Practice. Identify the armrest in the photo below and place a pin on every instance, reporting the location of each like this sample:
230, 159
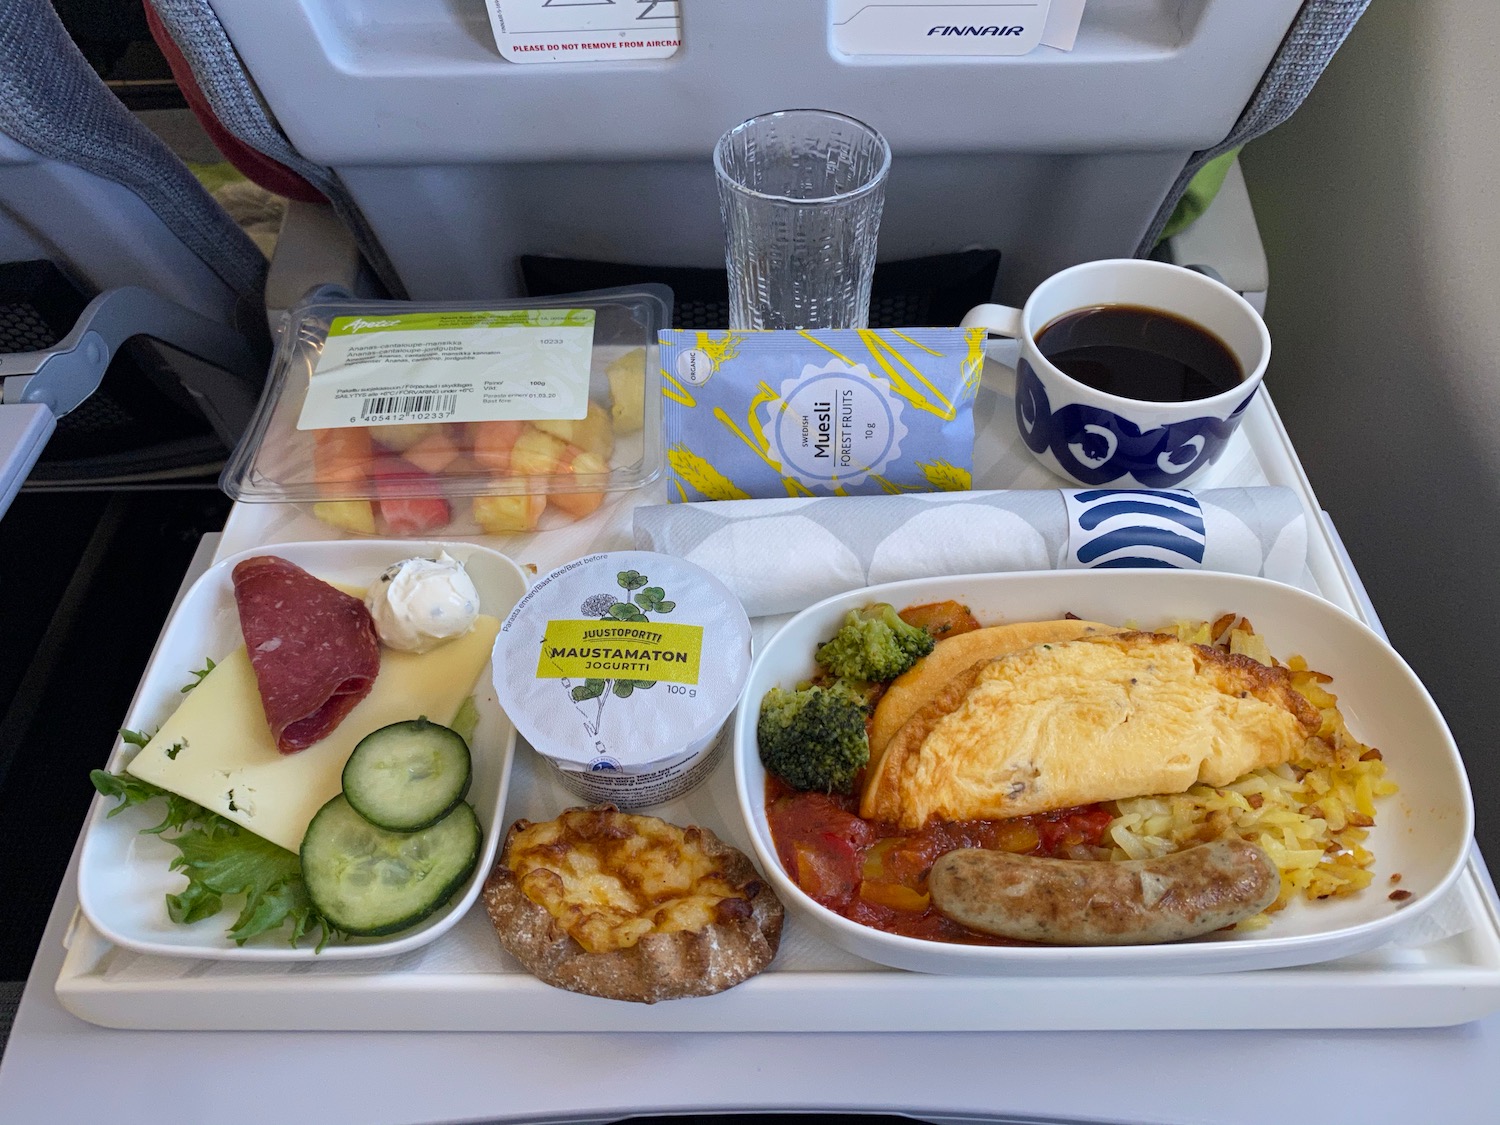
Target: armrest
24, 430
38, 387
314, 248
1227, 239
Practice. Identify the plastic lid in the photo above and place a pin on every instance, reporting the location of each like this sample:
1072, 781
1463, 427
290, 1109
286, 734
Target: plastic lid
622, 661
402, 417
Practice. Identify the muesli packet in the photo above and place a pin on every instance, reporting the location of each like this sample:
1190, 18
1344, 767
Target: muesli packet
837, 412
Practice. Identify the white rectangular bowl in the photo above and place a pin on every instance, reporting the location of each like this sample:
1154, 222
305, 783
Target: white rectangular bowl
124, 876
1422, 833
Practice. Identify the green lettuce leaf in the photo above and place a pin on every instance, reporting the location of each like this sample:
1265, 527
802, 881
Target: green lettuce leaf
132, 792
199, 676
222, 860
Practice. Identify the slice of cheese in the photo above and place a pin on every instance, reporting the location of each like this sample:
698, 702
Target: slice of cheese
217, 750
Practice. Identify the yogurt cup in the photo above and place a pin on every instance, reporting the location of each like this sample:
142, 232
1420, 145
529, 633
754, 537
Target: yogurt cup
620, 669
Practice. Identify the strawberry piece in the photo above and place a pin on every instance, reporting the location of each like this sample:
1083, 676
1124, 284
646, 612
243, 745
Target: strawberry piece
409, 500
415, 515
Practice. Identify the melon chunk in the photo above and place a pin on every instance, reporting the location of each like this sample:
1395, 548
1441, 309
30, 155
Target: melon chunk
493, 442
503, 515
580, 504
342, 455
435, 452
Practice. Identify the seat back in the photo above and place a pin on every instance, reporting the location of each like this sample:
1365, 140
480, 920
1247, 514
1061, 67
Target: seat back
463, 163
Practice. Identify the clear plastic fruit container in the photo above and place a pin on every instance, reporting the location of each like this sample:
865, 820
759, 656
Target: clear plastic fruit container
402, 418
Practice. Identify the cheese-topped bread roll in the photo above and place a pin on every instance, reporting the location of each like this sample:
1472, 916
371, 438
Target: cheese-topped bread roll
1095, 719
630, 907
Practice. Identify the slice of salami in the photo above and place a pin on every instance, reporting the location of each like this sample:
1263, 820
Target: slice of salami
313, 648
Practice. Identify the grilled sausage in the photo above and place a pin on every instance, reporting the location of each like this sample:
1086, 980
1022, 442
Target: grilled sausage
1082, 902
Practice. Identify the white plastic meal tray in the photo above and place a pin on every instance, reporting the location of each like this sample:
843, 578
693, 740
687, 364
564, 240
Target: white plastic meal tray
1445, 970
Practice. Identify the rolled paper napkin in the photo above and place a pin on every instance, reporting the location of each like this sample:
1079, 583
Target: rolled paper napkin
779, 556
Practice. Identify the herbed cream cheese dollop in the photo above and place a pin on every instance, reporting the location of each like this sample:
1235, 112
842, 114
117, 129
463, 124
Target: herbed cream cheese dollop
420, 603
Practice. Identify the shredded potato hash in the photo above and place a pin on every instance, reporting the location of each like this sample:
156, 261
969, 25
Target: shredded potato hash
1312, 816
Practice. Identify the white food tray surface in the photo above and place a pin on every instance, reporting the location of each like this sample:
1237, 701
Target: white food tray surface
1443, 970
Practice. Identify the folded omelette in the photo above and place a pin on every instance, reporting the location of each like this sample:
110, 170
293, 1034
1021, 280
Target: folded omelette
1094, 719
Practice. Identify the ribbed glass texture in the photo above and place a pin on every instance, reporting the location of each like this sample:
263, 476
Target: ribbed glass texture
800, 192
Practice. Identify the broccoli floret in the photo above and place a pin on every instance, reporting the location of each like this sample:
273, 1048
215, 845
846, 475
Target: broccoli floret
814, 739
874, 644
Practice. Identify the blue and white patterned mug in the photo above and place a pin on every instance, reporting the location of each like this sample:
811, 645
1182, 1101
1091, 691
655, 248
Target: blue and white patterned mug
1094, 438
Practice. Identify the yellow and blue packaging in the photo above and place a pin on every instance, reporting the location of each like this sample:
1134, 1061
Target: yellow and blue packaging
837, 412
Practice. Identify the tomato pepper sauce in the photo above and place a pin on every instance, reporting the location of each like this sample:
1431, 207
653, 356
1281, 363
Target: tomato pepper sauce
876, 874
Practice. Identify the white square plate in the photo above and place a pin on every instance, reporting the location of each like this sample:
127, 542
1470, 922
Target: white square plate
1422, 833
124, 876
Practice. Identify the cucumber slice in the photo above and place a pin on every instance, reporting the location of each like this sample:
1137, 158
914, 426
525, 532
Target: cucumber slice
368, 881
408, 775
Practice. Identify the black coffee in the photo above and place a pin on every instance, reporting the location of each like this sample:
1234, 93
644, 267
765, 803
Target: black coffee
1140, 353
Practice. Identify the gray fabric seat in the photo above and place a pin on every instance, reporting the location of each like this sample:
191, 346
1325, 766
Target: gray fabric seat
54, 105
91, 201
230, 92
1318, 31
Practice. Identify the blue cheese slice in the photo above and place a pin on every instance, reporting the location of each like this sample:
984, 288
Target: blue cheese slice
217, 750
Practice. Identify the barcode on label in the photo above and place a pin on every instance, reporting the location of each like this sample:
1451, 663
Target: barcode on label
405, 406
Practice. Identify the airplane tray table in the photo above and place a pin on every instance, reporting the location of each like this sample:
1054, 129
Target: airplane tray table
1445, 971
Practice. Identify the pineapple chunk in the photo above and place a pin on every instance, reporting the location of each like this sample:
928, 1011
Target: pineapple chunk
592, 432
435, 452
501, 515
627, 389
538, 454
357, 516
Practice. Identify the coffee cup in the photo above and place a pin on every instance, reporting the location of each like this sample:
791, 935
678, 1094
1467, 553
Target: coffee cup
1132, 373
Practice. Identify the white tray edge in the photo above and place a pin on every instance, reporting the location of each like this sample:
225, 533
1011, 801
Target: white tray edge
1412, 988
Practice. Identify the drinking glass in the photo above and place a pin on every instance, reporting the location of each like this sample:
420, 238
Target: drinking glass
800, 191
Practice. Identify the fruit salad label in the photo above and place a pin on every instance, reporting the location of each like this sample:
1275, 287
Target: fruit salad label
519, 364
